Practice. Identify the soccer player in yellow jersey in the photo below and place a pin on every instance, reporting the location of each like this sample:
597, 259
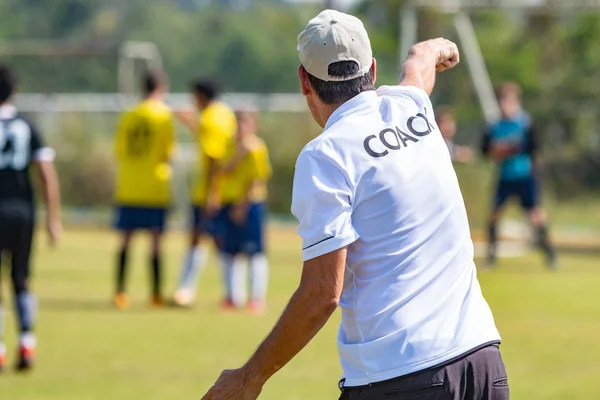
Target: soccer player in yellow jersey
242, 217
145, 143
214, 130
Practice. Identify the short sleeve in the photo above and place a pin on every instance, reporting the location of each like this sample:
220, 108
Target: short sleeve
322, 204
413, 93
39, 151
213, 138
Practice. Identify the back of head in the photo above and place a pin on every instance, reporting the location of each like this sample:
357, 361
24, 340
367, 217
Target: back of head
153, 81
206, 88
335, 51
8, 83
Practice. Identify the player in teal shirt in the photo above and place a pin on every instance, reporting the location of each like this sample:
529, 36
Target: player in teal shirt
511, 142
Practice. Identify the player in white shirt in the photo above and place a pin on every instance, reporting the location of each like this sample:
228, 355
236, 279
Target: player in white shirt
385, 235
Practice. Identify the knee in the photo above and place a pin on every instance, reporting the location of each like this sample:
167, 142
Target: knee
537, 216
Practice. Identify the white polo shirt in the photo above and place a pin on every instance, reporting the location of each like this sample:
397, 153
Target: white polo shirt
379, 180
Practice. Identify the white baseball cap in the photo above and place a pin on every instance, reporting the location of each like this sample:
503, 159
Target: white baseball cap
331, 37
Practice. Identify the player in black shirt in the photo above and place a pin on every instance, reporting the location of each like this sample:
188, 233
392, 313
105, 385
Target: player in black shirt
20, 148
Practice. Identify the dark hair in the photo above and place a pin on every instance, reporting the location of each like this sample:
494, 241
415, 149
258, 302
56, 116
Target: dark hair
338, 92
8, 83
207, 88
152, 80
508, 88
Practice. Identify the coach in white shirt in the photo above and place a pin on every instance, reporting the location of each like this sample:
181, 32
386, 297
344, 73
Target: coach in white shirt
385, 235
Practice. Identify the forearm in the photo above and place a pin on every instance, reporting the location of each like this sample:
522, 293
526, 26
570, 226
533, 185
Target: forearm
304, 316
51, 192
419, 70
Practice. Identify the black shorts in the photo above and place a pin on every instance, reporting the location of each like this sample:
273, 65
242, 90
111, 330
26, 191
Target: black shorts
16, 237
477, 375
526, 190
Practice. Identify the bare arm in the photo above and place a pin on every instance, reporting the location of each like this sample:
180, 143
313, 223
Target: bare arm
309, 309
425, 59
189, 119
51, 193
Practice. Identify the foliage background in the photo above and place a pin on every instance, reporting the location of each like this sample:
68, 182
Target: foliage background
250, 46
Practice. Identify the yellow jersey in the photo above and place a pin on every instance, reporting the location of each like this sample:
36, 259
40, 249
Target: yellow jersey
144, 145
216, 130
251, 173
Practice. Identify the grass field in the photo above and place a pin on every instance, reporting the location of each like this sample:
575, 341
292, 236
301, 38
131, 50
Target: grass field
549, 322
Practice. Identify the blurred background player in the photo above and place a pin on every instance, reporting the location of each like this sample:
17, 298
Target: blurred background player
214, 130
145, 143
242, 217
21, 147
511, 142
447, 126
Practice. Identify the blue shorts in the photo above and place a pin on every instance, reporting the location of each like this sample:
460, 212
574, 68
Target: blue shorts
526, 190
247, 238
202, 222
130, 218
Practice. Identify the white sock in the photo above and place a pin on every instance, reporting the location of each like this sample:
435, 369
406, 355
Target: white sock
192, 267
226, 269
27, 339
239, 293
259, 276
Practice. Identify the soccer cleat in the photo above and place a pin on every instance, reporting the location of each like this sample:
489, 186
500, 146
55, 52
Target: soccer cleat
2, 357
227, 305
156, 301
257, 307
26, 358
121, 301
184, 298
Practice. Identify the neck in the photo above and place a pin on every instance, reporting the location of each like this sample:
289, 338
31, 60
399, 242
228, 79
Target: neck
154, 96
324, 112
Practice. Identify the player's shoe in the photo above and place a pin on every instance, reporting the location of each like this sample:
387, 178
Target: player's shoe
121, 301
156, 301
227, 305
184, 297
26, 358
257, 307
2, 357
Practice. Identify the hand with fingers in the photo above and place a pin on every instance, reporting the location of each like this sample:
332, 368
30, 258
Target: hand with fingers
233, 384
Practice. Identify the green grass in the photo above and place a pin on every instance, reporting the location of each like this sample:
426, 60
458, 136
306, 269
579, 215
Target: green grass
549, 322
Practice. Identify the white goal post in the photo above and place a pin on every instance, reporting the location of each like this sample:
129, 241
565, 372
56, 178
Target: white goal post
470, 49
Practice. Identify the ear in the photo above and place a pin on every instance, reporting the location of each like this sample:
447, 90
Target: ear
304, 81
374, 70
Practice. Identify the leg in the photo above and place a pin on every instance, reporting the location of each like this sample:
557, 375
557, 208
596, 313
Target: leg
126, 236
193, 262
2, 345
503, 191
538, 219
530, 200
156, 267
234, 264
259, 267
25, 302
